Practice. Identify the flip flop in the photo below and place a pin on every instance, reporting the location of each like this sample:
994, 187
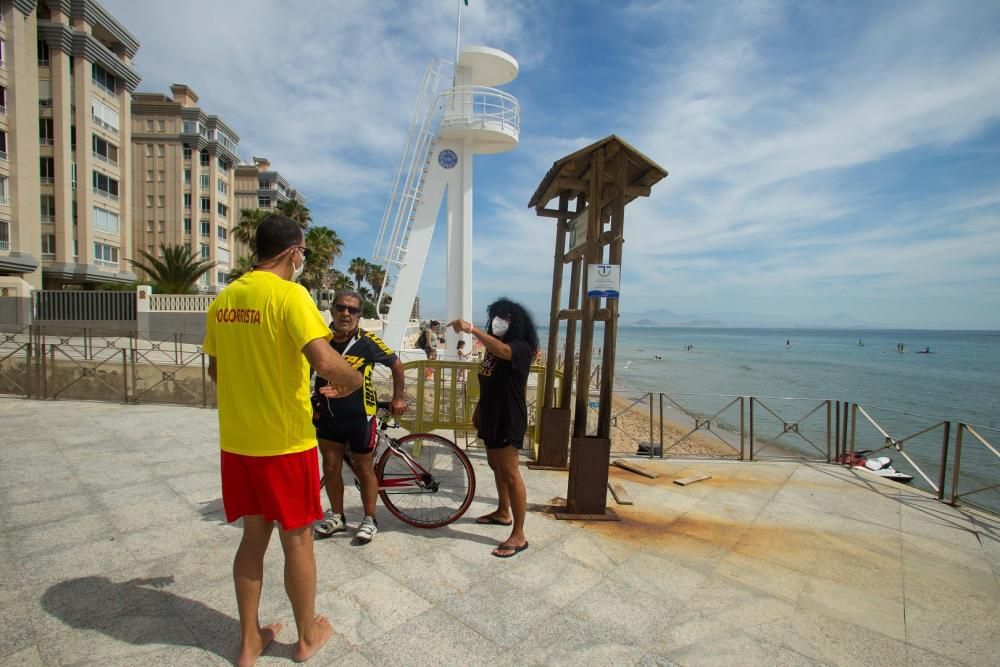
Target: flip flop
492, 521
509, 547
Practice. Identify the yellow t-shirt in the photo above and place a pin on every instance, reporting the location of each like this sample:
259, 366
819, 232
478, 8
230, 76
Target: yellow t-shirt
256, 330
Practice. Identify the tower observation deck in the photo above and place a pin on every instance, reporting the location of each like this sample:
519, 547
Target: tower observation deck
450, 124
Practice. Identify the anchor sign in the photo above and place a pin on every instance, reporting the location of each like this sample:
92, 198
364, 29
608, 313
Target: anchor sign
603, 280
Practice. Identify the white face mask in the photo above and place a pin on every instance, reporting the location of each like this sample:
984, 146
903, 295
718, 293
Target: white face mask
499, 326
297, 272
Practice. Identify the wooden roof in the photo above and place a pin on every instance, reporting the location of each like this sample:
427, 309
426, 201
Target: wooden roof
642, 173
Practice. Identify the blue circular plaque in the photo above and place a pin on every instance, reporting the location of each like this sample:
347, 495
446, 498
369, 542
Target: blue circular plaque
447, 158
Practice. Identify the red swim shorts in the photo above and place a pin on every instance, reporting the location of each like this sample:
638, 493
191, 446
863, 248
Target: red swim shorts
281, 488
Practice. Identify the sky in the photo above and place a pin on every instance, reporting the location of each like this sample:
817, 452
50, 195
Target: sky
828, 161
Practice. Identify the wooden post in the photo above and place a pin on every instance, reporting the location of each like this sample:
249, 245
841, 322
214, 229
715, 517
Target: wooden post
611, 325
557, 275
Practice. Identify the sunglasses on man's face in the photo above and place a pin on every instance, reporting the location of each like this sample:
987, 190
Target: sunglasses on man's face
304, 250
344, 308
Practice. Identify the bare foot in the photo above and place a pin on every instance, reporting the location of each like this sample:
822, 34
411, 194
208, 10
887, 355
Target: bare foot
308, 646
257, 645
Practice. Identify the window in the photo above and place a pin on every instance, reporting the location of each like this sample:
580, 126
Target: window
4, 201
149, 201
45, 131
162, 124
160, 225
72, 175
48, 208
222, 209
3, 54
103, 115
222, 256
105, 185
187, 176
75, 216
149, 175
105, 151
149, 124
204, 159
187, 151
72, 137
203, 179
44, 93
161, 150
104, 79
206, 228
47, 170
223, 165
4, 235
263, 202
149, 150
106, 221
222, 277
160, 202
160, 176
43, 53
204, 251
149, 226
222, 233
105, 255
187, 225
3, 100
206, 204
3, 144
187, 201
191, 127
48, 246
222, 187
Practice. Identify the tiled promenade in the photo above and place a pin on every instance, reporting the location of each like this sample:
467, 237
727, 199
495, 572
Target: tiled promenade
114, 552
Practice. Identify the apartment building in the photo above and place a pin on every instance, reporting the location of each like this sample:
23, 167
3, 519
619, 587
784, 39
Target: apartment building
65, 84
183, 175
258, 186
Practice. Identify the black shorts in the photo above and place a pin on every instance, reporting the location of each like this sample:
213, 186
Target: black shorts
506, 442
358, 433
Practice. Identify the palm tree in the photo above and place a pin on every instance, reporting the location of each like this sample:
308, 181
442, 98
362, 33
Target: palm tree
295, 210
358, 269
245, 230
342, 281
177, 272
375, 275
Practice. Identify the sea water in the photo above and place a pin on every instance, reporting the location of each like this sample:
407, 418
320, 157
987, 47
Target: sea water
903, 390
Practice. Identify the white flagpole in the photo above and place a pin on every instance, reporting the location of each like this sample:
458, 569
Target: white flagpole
458, 31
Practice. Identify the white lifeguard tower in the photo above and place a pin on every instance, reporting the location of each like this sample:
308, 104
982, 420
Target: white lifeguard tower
449, 126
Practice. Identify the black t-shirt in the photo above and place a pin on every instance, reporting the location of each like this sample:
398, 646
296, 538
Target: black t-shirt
503, 411
362, 352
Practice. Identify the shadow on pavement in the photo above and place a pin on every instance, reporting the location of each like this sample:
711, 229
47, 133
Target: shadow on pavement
139, 612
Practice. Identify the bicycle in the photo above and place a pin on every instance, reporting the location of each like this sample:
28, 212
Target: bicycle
424, 479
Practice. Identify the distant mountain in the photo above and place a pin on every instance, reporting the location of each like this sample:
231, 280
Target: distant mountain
646, 323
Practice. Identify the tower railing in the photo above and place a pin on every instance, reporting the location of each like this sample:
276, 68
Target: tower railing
481, 107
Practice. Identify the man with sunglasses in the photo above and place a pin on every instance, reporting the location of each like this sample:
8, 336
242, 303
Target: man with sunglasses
348, 421
263, 334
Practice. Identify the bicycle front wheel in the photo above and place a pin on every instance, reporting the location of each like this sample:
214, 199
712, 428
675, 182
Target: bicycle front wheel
428, 483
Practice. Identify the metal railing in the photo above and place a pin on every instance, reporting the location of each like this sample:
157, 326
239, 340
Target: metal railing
182, 303
95, 305
48, 362
481, 107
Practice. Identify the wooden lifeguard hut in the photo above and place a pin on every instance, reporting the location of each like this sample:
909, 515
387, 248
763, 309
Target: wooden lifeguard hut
599, 181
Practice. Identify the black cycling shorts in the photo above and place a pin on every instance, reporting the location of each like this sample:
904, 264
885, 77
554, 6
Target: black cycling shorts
358, 433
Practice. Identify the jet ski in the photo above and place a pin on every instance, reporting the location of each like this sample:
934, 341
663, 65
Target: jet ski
877, 465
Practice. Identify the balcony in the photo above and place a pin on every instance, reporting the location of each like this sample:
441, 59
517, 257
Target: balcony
43, 62
47, 218
106, 263
105, 160
101, 123
3, 155
3, 109
45, 103
45, 141
4, 244
490, 117
47, 180
102, 87
104, 193
4, 200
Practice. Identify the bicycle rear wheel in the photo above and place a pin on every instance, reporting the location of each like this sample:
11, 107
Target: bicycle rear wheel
446, 484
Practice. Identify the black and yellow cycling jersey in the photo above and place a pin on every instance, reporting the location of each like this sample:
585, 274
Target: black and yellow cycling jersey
362, 351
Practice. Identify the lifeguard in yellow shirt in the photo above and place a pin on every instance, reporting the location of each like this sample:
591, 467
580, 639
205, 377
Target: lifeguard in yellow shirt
263, 334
